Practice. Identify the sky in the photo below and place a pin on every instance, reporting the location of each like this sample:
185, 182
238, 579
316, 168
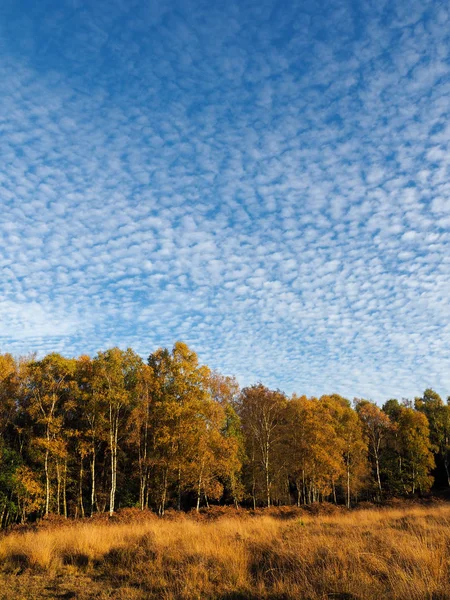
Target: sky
266, 181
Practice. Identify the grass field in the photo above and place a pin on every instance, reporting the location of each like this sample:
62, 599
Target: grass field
370, 554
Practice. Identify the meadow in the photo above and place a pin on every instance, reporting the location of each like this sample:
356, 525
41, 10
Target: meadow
324, 552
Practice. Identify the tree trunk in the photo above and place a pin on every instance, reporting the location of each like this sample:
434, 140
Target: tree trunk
143, 467
233, 490
266, 468
114, 433
93, 501
253, 492
447, 467
377, 464
64, 489
58, 488
253, 477
80, 488
47, 477
147, 496
142, 492
164, 494
179, 488
348, 484
199, 491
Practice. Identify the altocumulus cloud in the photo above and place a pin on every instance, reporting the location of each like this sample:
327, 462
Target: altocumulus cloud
266, 181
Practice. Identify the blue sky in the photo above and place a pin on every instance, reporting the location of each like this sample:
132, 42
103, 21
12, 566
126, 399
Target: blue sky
266, 181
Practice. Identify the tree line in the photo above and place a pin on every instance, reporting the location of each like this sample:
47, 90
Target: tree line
86, 435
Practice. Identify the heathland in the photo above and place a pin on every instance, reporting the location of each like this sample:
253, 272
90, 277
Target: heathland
127, 479
395, 552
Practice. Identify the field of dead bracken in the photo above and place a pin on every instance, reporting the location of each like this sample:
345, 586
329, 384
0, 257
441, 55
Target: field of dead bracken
321, 552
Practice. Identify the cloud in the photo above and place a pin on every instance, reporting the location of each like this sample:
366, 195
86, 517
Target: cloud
270, 186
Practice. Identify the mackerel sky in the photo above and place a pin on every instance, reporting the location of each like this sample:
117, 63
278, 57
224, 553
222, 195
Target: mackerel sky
267, 181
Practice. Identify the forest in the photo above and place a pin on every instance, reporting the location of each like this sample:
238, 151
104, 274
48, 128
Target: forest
86, 435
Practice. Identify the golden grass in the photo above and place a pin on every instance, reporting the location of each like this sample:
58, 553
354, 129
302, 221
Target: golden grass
373, 554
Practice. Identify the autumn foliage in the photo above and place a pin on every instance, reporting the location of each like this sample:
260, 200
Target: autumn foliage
86, 436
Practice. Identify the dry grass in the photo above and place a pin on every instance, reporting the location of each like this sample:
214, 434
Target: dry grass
399, 553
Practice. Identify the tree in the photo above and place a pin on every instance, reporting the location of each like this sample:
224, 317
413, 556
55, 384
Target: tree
262, 414
93, 434
225, 391
415, 449
164, 422
186, 433
9, 387
409, 459
354, 445
114, 381
29, 492
91, 423
141, 427
10, 463
208, 456
376, 425
314, 451
438, 415
50, 384
9, 460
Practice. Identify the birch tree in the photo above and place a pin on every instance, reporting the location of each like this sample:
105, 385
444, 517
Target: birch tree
114, 381
314, 449
438, 415
262, 414
353, 443
377, 426
50, 383
142, 428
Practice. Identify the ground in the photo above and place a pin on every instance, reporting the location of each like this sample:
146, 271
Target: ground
393, 552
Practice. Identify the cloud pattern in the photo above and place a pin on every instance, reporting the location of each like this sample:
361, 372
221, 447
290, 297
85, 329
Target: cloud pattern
267, 181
